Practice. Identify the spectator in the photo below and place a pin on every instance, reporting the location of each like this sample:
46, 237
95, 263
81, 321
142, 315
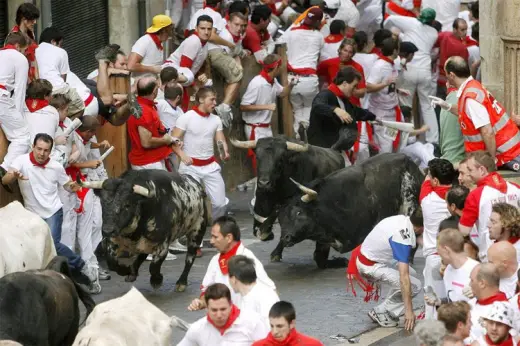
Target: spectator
116, 65
498, 323
333, 41
225, 324
450, 138
41, 117
456, 317
282, 318
168, 75
27, 15
169, 110
503, 255
257, 40
504, 225
464, 176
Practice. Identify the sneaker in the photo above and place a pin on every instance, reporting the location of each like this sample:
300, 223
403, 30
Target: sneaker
135, 108
383, 319
2, 173
169, 257
90, 271
103, 274
177, 246
108, 53
94, 287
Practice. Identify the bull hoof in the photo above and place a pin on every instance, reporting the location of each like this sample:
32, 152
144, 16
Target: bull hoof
276, 258
156, 281
266, 237
130, 278
180, 287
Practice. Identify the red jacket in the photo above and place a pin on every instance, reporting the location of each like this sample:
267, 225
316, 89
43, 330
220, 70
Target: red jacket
293, 339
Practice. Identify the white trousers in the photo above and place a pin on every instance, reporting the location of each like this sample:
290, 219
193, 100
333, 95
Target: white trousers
433, 279
211, 178
382, 136
420, 153
301, 98
420, 80
381, 273
154, 165
16, 130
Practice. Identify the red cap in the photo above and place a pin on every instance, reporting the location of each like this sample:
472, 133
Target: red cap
314, 16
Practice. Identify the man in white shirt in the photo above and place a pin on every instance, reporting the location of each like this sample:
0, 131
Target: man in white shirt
41, 117
304, 44
333, 40
253, 295
498, 322
392, 239
225, 237
115, 66
456, 318
39, 178
169, 110
503, 225
13, 82
225, 324
199, 129
447, 11
503, 255
433, 203
418, 73
147, 54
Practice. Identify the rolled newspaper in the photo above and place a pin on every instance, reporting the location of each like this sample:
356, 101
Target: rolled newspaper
73, 127
220, 146
104, 156
397, 125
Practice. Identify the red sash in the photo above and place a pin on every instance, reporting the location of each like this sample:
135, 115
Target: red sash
82, 193
372, 291
399, 118
370, 134
88, 100
202, 162
252, 137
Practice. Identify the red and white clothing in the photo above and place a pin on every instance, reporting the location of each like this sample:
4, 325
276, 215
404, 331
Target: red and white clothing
228, 36
217, 271
259, 43
190, 54
140, 157
168, 114
243, 328
150, 49
199, 133
90, 101
433, 204
509, 285
53, 62
303, 50
218, 21
13, 83
41, 117
30, 52
477, 209
446, 11
515, 304
259, 299
449, 45
480, 309
293, 339
331, 46
455, 279
401, 8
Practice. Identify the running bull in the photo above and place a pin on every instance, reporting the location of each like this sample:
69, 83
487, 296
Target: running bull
279, 159
340, 210
143, 213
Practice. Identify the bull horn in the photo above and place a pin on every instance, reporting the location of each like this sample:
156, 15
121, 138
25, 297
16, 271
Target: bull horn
98, 184
309, 194
145, 192
297, 147
243, 144
259, 218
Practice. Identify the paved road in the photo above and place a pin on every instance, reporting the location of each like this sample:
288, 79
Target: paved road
323, 306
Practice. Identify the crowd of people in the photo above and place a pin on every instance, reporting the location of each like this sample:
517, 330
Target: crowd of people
353, 73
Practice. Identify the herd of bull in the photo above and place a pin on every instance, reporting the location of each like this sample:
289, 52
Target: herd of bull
307, 188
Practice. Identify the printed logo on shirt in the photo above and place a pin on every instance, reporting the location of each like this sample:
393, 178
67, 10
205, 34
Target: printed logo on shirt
405, 233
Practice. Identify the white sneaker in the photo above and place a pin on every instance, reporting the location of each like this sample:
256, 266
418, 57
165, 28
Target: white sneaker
177, 246
90, 271
169, 257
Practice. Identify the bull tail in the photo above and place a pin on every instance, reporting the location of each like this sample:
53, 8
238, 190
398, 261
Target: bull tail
179, 323
411, 181
60, 264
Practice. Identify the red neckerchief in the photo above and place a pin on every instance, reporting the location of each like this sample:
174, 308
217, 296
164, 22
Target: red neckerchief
147, 102
224, 258
518, 301
36, 163
83, 139
62, 125
291, 339
36, 104
302, 27
450, 89
266, 76
29, 33
334, 38
227, 18
199, 112
495, 181
210, 7
499, 297
335, 90
235, 312
235, 38
203, 43
508, 342
513, 240
155, 39
469, 42
387, 59
376, 51
8, 46
427, 188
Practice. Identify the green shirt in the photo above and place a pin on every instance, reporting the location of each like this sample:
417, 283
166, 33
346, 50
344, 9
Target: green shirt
451, 140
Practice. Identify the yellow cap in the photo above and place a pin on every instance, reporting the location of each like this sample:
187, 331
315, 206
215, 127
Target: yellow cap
159, 22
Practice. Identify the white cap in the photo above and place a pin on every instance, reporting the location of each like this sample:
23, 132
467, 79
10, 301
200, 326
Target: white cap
332, 4
501, 312
186, 72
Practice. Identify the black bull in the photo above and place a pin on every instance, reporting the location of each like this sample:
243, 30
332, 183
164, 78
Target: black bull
143, 213
340, 210
279, 159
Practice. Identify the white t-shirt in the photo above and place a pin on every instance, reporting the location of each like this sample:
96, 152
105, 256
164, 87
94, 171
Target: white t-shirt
226, 35
392, 239
76, 83
199, 133
246, 329
303, 47
260, 92
508, 285
260, 299
385, 98
456, 279
347, 12
52, 62
515, 304
191, 48
43, 120
40, 190
477, 312
148, 50
218, 22
446, 11
434, 210
168, 114
329, 51
13, 76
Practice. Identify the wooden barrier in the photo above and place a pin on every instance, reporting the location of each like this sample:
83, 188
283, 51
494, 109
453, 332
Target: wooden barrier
6, 197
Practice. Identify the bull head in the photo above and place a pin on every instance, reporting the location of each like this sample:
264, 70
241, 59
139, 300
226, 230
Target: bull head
252, 145
309, 194
148, 192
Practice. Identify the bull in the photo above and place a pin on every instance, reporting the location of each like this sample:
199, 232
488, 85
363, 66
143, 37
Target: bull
279, 159
143, 213
340, 210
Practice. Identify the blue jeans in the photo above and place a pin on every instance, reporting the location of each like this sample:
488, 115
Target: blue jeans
55, 222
